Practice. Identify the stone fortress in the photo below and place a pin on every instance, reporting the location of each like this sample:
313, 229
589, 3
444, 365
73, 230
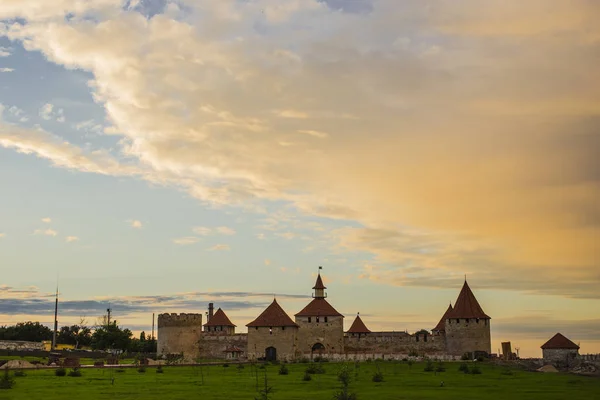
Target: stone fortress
318, 330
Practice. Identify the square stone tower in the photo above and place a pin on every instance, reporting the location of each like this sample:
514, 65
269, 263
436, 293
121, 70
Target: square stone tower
467, 326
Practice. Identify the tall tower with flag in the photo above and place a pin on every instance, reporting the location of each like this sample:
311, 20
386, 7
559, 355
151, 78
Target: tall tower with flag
321, 327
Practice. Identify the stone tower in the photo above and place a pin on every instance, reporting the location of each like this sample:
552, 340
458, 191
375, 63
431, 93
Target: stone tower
272, 335
467, 326
179, 333
358, 328
321, 326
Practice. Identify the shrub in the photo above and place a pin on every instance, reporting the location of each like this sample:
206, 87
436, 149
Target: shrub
262, 366
507, 372
304, 360
307, 377
75, 372
120, 370
240, 367
283, 370
475, 370
429, 366
160, 370
440, 367
225, 365
315, 369
344, 378
60, 372
378, 376
464, 368
19, 373
465, 357
6, 381
410, 364
142, 369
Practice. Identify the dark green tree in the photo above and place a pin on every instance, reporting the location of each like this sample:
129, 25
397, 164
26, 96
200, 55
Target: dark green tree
111, 337
27, 331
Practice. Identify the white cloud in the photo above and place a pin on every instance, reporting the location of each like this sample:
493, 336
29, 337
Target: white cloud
6, 69
260, 236
202, 230
47, 220
267, 262
2, 235
224, 230
46, 111
134, 223
220, 247
186, 240
5, 51
292, 114
70, 239
46, 232
317, 134
287, 235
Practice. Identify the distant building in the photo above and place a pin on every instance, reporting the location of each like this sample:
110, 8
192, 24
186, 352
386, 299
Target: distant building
559, 350
318, 330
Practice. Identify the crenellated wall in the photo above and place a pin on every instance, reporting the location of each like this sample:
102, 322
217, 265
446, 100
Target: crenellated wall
213, 344
468, 335
395, 343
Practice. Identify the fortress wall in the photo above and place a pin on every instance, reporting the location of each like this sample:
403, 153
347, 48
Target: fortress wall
330, 334
400, 343
284, 340
467, 336
213, 346
179, 333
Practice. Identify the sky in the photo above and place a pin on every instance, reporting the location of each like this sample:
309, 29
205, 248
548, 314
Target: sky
157, 155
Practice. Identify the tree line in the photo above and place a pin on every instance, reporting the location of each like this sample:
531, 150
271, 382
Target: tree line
107, 336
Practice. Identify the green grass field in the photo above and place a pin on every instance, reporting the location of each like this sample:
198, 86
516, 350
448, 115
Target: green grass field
401, 381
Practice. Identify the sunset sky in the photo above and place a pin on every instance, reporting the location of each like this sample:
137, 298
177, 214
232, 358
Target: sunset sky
156, 155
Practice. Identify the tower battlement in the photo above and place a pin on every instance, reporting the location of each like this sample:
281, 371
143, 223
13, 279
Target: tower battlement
179, 320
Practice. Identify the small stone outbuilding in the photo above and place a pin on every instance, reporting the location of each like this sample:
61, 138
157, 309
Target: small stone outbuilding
560, 350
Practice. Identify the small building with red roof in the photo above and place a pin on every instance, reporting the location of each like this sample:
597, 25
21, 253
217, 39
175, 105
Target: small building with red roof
321, 325
467, 326
559, 350
220, 323
358, 328
272, 335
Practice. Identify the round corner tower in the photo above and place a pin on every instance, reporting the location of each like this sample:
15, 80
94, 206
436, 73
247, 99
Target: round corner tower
467, 326
179, 333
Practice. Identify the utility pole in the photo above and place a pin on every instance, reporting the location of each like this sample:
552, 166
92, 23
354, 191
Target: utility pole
108, 311
53, 347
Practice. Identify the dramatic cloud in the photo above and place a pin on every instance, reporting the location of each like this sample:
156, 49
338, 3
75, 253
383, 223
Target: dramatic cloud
455, 137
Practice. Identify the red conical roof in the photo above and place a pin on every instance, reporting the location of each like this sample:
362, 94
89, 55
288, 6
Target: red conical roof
358, 326
319, 307
441, 326
319, 284
466, 305
559, 341
273, 315
219, 319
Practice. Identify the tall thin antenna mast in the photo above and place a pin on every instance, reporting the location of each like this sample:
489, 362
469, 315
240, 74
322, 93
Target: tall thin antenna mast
53, 347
